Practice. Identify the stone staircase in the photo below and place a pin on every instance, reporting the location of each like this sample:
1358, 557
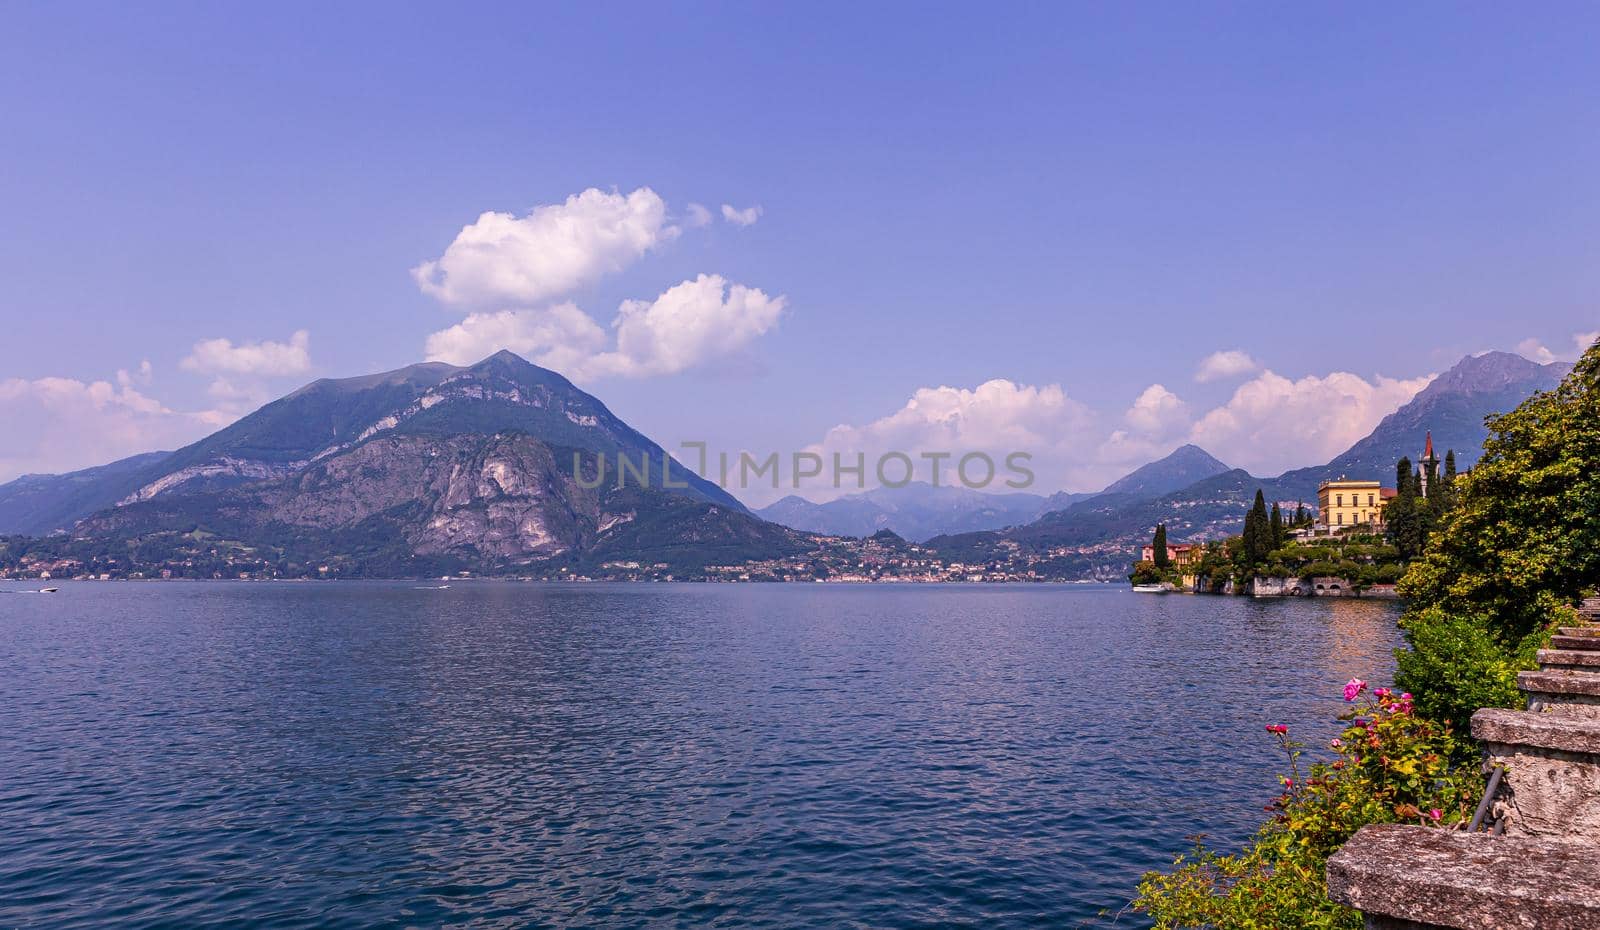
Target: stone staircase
1538, 865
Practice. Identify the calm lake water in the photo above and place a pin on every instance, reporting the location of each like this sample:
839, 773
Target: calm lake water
511, 755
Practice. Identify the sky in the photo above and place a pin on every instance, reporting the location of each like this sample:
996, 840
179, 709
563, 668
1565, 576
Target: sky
1091, 231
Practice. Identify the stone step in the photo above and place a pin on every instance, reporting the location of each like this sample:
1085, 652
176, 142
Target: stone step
1530, 729
1551, 785
1579, 631
1590, 608
1571, 660
1585, 643
1563, 692
1471, 881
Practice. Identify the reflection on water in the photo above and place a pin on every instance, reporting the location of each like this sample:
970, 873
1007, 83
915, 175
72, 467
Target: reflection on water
626, 756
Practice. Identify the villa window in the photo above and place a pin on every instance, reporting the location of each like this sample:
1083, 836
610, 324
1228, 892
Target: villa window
1338, 500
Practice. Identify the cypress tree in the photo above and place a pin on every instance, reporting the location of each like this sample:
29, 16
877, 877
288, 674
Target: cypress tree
1257, 532
1278, 532
1405, 518
1159, 545
1445, 500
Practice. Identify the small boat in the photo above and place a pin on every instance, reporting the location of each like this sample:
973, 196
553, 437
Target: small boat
1149, 589
48, 590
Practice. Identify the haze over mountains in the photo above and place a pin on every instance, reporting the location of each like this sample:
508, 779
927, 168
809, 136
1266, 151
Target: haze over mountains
434, 464
919, 511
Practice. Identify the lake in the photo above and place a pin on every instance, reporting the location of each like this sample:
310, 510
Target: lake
522, 755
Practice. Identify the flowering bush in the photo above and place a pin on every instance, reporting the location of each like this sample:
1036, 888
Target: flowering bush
1388, 766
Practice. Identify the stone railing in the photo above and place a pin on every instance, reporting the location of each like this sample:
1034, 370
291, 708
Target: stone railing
1539, 867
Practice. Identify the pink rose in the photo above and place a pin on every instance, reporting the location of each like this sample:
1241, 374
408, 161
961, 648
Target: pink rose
1336, 743
1353, 689
1436, 814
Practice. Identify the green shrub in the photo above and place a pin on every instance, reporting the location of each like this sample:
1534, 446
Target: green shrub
1458, 665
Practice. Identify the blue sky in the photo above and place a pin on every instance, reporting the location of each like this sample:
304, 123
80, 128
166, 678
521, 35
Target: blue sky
1076, 201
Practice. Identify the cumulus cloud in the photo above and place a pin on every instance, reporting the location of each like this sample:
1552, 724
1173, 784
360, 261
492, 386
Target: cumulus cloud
997, 418
257, 359
688, 324
1230, 363
696, 215
554, 249
61, 424
1534, 350
1157, 411
1153, 426
1272, 423
561, 337
745, 217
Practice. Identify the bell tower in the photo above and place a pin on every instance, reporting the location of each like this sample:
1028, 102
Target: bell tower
1428, 465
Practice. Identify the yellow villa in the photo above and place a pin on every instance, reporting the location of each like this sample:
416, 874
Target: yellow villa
1345, 503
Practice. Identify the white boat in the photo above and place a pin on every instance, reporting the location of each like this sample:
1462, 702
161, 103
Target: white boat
1149, 589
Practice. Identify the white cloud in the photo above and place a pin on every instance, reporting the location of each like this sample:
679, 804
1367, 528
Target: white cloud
998, 417
1157, 412
745, 217
562, 337
1272, 424
690, 323
62, 424
1230, 363
1533, 350
696, 215
553, 250
257, 359
1153, 426
687, 325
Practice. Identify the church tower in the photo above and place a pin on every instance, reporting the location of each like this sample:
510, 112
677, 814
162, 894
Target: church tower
1428, 465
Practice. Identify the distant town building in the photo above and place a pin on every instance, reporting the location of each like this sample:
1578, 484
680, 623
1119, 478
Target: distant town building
1181, 554
1345, 502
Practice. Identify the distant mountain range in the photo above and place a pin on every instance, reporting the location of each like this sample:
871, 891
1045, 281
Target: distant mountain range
1101, 532
497, 467
919, 511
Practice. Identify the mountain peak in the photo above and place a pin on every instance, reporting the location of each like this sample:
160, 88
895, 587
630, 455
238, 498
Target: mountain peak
1180, 468
1489, 373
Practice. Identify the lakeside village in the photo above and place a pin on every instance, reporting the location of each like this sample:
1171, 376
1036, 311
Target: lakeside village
1357, 543
884, 557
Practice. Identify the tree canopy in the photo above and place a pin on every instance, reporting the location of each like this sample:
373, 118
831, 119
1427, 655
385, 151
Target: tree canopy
1521, 544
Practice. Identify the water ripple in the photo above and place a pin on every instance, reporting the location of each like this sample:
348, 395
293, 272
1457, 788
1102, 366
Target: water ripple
502, 755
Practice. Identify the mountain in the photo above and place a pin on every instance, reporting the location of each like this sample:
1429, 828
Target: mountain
496, 466
1099, 535
1453, 406
920, 511
915, 511
34, 505
1183, 467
